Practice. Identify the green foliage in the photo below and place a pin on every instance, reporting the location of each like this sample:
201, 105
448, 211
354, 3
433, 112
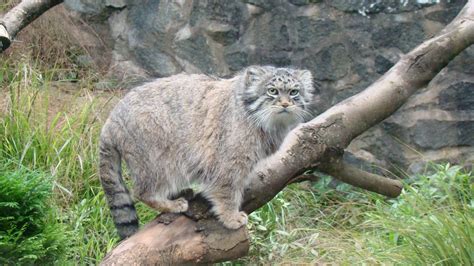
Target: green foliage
53, 132
93, 226
433, 218
431, 222
30, 229
37, 135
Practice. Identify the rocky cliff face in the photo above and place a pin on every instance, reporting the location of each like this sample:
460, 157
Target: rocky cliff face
347, 44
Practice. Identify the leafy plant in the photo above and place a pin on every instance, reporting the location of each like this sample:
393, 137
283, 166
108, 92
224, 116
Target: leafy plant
30, 228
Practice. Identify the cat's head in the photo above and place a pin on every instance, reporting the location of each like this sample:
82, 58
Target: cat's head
277, 98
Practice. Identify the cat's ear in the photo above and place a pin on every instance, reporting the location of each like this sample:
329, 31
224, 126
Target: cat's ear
254, 74
306, 78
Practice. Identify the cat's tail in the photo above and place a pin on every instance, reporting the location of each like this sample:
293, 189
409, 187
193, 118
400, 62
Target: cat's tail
119, 199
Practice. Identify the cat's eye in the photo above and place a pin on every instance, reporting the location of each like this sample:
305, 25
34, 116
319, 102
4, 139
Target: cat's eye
272, 91
294, 92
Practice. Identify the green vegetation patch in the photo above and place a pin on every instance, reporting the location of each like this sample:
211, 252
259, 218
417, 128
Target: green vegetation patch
431, 222
30, 231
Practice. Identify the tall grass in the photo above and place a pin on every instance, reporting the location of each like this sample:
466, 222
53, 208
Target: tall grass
56, 138
433, 219
39, 132
432, 222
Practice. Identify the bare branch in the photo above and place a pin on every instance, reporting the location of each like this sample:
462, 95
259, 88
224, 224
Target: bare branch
20, 16
304, 177
362, 179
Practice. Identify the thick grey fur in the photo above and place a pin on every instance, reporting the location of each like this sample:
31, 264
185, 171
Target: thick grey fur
197, 129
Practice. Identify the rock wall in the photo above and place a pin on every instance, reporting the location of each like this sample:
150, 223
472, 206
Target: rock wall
347, 44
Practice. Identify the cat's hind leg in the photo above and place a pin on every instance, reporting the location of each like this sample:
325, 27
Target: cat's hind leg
149, 188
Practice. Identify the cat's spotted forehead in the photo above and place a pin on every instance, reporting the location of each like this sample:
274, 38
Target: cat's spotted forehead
283, 78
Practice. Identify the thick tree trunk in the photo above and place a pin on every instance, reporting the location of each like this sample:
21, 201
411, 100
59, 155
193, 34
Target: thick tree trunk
196, 237
20, 16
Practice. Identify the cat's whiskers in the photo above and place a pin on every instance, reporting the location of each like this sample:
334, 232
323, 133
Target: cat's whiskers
303, 114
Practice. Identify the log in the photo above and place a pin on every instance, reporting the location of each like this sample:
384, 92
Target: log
20, 16
317, 144
195, 237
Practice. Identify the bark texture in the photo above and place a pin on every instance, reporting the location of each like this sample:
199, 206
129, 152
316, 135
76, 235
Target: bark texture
319, 144
20, 16
170, 239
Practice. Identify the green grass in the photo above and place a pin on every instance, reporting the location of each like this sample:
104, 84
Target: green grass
432, 222
60, 139
50, 137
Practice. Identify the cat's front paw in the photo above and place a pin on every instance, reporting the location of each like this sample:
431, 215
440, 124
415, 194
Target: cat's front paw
234, 220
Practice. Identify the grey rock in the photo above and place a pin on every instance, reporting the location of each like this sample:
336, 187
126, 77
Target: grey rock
156, 62
405, 36
432, 134
116, 3
347, 44
270, 31
311, 32
279, 59
464, 62
427, 134
197, 51
89, 7
444, 16
377, 6
459, 96
236, 60
223, 34
303, 2
382, 64
265, 4
331, 63
225, 12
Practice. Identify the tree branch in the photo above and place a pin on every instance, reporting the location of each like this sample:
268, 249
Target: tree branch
318, 143
362, 179
20, 16
313, 144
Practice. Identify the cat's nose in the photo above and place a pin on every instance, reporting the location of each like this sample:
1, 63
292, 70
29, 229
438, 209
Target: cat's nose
284, 103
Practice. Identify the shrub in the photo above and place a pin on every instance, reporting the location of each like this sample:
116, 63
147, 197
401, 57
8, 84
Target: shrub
30, 231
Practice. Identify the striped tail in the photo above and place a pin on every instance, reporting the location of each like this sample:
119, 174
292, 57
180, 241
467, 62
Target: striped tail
118, 197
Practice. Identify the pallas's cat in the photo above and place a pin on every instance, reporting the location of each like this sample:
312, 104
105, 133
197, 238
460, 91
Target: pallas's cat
197, 129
